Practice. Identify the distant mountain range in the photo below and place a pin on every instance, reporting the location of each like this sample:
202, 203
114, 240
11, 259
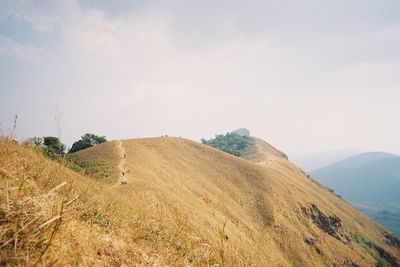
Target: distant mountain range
315, 161
370, 181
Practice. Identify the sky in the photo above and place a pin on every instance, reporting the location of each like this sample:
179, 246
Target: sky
306, 76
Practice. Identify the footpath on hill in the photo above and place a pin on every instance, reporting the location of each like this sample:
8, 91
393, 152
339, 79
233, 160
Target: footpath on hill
121, 165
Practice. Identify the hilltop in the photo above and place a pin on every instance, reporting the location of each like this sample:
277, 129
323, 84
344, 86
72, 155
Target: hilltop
265, 151
240, 143
185, 203
370, 181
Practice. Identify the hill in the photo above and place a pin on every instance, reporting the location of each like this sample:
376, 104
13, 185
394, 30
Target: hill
241, 144
265, 151
370, 181
182, 203
99, 161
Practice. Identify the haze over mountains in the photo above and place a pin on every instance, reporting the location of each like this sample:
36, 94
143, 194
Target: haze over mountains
309, 162
371, 181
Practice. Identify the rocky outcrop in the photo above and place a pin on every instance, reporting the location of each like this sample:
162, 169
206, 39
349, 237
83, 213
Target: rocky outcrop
330, 224
391, 239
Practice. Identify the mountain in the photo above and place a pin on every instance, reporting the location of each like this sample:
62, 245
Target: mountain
172, 201
310, 162
370, 181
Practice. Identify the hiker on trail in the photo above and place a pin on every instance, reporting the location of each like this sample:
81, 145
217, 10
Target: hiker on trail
123, 173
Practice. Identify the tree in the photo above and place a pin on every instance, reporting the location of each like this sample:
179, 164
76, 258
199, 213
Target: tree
231, 143
53, 146
86, 141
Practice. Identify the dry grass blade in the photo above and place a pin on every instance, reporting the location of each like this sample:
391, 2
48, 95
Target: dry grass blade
17, 232
53, 233
49, 221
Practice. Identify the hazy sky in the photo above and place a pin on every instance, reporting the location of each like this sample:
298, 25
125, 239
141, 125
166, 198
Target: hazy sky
306, 76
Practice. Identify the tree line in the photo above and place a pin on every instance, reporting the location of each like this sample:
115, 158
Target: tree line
54, 148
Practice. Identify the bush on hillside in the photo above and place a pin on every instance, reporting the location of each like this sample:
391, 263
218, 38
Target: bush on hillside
231, 143
53, 146
86, 141
54, 149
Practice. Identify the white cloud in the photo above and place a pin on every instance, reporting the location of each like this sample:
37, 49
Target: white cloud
156, 70
9, 47
40, 15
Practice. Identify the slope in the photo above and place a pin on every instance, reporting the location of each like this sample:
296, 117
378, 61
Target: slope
50, 215
188, 204
100, 161
265, 151
370, 181
268, 213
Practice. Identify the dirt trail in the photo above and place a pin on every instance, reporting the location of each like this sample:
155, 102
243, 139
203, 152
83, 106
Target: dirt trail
121, 165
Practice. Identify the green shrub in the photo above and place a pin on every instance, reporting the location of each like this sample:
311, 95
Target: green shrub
86, 141
231, 143
53, 147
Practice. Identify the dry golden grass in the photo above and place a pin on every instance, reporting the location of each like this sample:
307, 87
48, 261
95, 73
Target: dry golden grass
265, 151
52, 216
259, 204
102, 161
185, 204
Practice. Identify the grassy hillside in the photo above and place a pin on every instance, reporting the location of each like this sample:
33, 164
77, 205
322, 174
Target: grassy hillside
371, 181
184, 204
99, 161
50, 215
264, 151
